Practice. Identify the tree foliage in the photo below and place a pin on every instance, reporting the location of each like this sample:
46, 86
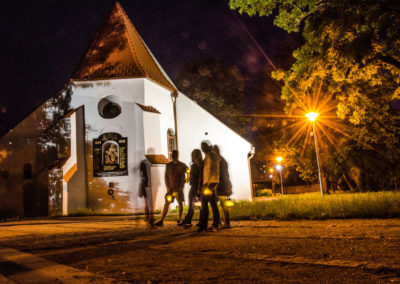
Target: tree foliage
351, 54
217, 87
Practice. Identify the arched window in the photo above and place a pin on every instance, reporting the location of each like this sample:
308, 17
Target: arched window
27, 171
171, 142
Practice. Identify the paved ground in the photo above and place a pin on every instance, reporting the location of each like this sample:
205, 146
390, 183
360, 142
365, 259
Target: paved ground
122, 249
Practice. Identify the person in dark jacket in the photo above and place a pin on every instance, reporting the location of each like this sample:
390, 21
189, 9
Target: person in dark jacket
210, 183
175, 177
196, 180
224, 188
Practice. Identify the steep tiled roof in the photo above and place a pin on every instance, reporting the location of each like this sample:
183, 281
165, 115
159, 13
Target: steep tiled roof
118, 51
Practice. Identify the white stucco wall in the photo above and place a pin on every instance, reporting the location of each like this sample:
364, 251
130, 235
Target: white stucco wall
146, 133
195, 125
128, 124
160, 99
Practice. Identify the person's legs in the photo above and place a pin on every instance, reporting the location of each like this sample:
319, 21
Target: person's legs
180, 204
204, 213
180, 198
189, 215
226, 209
164, 213
214, 206
213, 202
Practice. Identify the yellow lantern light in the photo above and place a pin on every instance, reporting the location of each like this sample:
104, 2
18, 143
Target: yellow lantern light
187, 175
169, 198
229, 203
207, 191
279, 159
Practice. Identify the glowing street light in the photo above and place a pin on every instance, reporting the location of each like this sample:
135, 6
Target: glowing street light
279, 159
312, 116
279, 169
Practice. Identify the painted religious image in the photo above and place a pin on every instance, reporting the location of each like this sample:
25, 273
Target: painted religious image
110, 155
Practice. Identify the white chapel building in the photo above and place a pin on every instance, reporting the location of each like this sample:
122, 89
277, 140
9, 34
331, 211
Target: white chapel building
82, 148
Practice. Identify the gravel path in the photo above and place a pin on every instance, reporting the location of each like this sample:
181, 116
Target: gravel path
122, 248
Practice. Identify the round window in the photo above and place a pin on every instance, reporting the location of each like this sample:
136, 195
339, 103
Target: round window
108, 108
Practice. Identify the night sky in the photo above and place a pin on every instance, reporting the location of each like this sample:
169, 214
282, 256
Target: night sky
42, 43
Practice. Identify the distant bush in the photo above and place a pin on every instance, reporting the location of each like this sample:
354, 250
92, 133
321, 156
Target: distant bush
314, 207
265, 192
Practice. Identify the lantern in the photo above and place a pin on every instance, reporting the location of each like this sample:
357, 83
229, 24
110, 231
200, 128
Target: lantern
207, 191
229, 202
169, 198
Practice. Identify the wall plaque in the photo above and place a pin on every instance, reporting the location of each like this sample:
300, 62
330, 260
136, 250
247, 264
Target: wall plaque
110, 155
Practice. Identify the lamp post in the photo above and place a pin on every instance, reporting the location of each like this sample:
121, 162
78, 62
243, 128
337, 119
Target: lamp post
312, 116
271, 176
279, 169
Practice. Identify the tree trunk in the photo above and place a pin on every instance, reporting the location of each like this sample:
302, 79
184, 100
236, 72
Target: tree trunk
348, 182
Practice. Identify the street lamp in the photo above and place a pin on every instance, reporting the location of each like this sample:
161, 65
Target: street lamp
271, 176
312, 116
279, 169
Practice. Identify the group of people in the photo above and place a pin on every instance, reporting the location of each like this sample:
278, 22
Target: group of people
209, 184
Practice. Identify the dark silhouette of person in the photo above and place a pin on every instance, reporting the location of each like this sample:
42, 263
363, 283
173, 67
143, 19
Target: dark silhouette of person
175, 176
196, 181
224, 188
145, 191
210, 183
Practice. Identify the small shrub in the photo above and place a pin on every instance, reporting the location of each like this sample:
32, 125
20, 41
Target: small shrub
265, 192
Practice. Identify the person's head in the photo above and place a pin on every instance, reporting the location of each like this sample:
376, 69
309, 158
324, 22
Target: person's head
175, 155
196, 156
206, 146
216, 150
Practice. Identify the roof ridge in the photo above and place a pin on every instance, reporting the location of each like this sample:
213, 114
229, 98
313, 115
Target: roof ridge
118, 51
150, 54
124, 16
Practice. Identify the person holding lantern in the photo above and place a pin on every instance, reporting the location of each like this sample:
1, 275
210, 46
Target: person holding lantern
175, 177
210, 183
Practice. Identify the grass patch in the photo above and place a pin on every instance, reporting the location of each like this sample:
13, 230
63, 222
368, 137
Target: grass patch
313, 207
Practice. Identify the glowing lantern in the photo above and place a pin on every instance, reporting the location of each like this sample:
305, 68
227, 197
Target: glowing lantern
169, 198
229, 202
207, 191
